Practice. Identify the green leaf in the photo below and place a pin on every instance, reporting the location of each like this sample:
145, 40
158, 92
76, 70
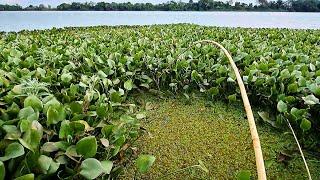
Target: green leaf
66, 77
282, 106
293, 88
76, 108
128, 84
55, 114
115, 97
47, 165
12, 132
53, 102
87, 147
232, 98
25, 177
144, 162
285, 74
107, 166
31, 139
305, 124
315, 89
12, 151
265, 116
49, 147
213, 91
34, 102
65, 129
244, 175
2, 171
107, 130
310, 100
25, 112
102, 111
91, 168
298, 113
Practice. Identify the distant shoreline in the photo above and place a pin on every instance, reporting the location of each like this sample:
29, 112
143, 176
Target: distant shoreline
201, 5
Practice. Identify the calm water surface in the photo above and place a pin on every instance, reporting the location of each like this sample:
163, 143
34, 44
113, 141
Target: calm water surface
16, 21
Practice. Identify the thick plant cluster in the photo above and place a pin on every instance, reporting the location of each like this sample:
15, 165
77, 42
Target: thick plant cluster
63, 108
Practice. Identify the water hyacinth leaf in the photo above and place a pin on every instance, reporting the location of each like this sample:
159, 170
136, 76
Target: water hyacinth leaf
302, 82
310, 100
293, 88
128, 85
285, 74
66, 77
72, 151
65, 129
298, 113
244, 175
87, 147
12, 132
115, 97
26, 112
107, 130
2, 171
77, 128
25, 177
34, 102
55, 114
76, 108
102, 111
107, 166
52, 116
13, 109
282, 106
305, 124
144, 162
115, 150
232, 98
53, 102
120, 141
265, 116
315, 89
213, 91
84, 123
47, 164
17, 89
12, 151
49, 147
91, 168
32, 137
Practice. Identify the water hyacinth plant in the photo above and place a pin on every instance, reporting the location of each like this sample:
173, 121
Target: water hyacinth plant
63, 92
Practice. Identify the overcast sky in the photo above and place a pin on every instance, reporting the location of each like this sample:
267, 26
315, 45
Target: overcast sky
57, 2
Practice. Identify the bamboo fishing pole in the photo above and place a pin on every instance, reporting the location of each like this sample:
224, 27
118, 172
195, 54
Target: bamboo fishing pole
253, 129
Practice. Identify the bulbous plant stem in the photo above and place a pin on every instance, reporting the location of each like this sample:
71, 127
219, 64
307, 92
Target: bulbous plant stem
253, 129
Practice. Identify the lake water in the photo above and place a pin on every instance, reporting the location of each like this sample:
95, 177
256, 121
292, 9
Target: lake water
16, 21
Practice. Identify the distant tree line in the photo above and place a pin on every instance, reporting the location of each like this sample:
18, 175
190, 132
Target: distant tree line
201, 5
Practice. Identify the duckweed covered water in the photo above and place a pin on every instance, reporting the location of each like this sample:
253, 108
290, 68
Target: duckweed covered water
179, 135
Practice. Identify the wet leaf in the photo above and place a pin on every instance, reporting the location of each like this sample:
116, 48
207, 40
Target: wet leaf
144, 162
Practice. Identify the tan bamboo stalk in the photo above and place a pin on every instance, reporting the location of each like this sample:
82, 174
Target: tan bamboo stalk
253, 129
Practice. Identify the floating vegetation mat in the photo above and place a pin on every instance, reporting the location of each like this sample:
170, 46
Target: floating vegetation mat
180, 134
